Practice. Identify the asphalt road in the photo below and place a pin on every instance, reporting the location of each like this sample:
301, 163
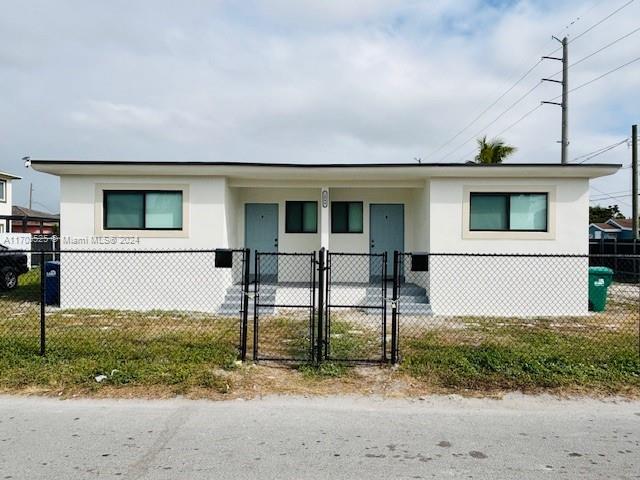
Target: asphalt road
325, 438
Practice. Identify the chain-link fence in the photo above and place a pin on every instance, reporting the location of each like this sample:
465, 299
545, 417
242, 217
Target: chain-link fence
529, 302
284, 306
356, 292
128, 303
318, 305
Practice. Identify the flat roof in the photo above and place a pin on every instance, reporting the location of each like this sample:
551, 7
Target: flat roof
320, 171
9, 176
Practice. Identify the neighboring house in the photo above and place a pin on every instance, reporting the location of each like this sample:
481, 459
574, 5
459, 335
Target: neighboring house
606, 231
360, 208
6, 199
612, 229
624, 225
34, 221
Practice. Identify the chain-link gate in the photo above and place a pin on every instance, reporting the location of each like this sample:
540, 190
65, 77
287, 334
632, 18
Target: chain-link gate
355, 327
284, 306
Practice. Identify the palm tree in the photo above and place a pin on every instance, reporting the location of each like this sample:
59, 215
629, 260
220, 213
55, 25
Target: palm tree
494, 151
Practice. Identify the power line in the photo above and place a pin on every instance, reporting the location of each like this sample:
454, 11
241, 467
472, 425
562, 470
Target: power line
481, 114
601, 21
510, 107
580, 16
539, 105
618, 192
519, 80
507, 91
530, 112
611, 197
600, 76
598, 51
599, 151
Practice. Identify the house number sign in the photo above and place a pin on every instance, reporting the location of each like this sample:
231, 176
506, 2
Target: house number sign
325, 198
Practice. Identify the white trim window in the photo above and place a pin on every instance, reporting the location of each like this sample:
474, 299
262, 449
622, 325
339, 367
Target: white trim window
516, 212
142, 210
508, 212
3, 190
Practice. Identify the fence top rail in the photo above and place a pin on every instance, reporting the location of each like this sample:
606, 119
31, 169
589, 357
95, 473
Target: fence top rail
290, 254
354, 254
528, 255
334, 254
50, 251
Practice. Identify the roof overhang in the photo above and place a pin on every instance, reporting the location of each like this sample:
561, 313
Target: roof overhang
9, 176
617, 225
609, 230
316, 172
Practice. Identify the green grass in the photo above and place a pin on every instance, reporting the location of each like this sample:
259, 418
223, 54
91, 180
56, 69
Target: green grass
174, 360
354, 341
324, 370
180, 351
526, 361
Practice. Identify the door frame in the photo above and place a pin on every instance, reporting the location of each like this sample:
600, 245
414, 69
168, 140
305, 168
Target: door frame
389, 254
252, 273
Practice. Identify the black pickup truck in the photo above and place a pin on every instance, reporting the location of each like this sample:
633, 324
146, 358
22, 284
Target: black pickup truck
12, 265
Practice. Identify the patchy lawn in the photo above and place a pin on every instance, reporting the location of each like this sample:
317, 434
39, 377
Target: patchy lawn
162, 353
526, 361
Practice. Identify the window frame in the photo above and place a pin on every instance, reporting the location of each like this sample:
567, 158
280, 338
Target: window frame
144, 193
348, 202
3, 198
509, 194
286, 211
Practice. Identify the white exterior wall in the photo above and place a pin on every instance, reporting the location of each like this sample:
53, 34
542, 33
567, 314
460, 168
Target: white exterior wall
182, 281
509, 286
287, 242
5, 207
497, 286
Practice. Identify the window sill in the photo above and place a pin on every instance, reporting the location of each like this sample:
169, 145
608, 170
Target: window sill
143, 233
508, 235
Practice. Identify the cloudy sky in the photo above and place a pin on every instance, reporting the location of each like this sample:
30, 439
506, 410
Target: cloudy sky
308, 81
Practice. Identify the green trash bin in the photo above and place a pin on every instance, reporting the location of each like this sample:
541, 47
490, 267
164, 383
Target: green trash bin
599, 280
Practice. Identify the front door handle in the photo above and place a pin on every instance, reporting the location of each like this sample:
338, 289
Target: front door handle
275, 242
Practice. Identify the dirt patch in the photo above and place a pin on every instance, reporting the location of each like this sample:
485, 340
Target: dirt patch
255, 381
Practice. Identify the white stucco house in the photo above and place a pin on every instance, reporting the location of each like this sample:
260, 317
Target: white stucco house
6, 201
360, 208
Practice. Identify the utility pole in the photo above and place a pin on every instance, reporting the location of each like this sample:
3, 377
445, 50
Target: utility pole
564, 104
634, 180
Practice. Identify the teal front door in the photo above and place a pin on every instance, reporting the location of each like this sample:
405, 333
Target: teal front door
386, 234
261, 235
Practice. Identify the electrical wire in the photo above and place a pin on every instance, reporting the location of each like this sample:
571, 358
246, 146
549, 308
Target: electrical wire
599, 151
508, 90
510, 107
523, 76
597, 51
609, 196
481, 114
601, 21
620, 67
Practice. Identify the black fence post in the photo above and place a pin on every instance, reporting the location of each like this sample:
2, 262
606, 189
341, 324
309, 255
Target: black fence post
394, 308
312, 315
384, 306
246, 256
256, 293
42, 305
321, 279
